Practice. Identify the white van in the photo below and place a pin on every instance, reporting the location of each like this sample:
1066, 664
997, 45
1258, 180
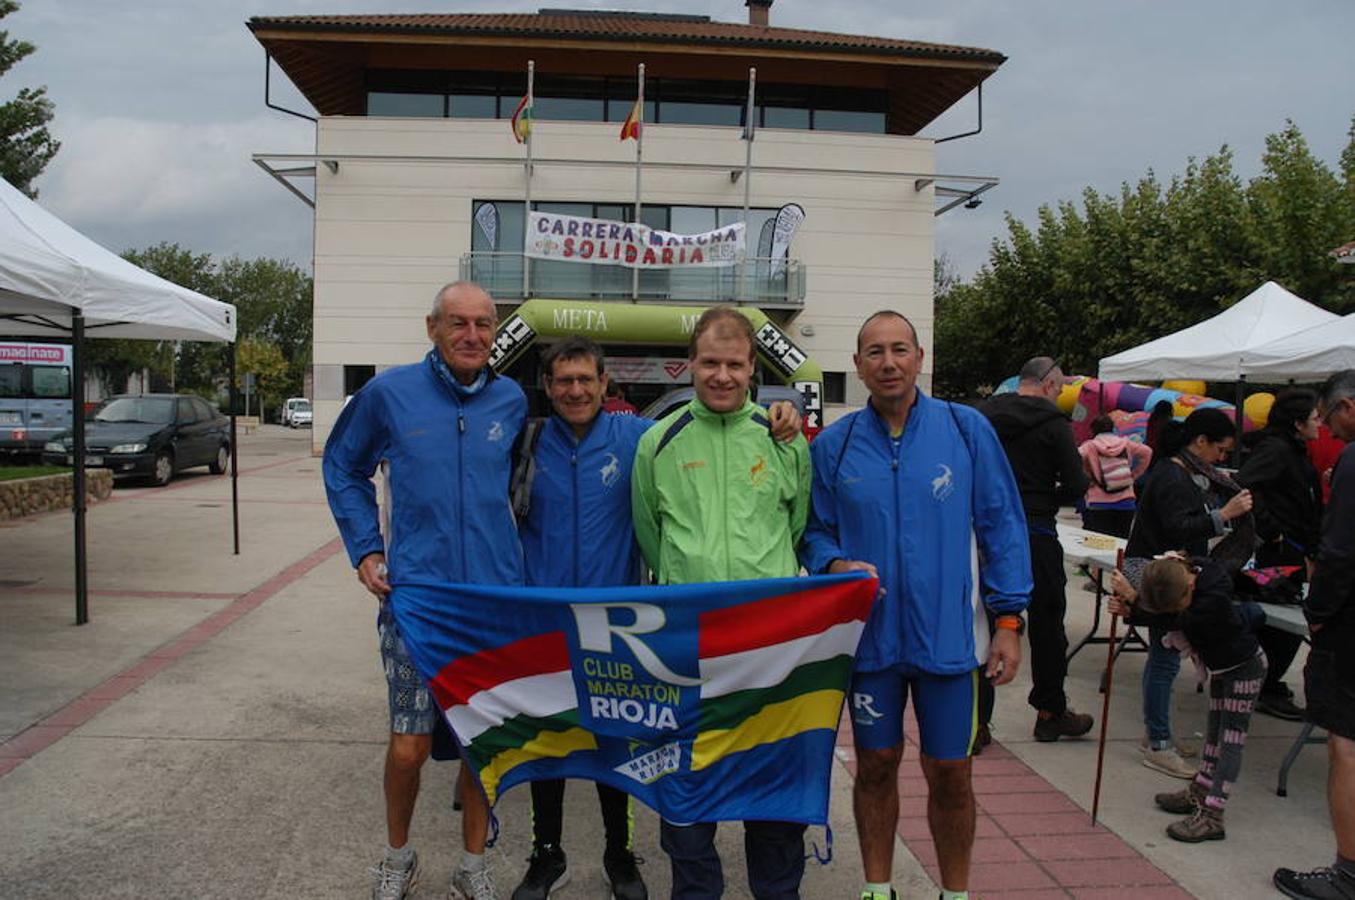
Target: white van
296, 411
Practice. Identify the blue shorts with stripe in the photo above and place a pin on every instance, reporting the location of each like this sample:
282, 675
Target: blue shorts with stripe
946, 707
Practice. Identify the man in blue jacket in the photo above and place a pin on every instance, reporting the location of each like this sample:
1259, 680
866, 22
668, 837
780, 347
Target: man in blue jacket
919, 493
445, 427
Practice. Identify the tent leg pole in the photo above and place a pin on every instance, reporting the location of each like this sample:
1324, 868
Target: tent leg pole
1239, 400
235, 463
78, 474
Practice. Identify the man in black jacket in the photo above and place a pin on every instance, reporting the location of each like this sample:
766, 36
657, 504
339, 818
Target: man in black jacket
1330, 673
1040, 447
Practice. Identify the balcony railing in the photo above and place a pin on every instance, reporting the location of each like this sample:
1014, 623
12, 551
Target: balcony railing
753, 283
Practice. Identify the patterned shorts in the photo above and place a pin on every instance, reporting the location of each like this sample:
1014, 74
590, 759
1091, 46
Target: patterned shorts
412, 710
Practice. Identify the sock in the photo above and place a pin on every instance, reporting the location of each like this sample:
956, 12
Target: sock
1345, 866
472, 862
400, 857
884, 889
954, 895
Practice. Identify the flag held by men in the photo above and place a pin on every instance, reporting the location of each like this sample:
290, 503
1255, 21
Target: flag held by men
708, 702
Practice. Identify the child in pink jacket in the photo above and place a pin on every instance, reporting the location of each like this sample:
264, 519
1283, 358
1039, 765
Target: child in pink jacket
1112, 463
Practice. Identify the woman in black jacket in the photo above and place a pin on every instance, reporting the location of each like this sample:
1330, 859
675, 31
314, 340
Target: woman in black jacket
1288, 497
1186, 505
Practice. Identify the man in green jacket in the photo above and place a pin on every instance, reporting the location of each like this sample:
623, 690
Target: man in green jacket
714, 498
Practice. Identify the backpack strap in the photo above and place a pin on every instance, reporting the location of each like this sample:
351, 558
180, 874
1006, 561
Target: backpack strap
524, 468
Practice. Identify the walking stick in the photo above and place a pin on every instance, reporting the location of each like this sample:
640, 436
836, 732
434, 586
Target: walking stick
1105, 703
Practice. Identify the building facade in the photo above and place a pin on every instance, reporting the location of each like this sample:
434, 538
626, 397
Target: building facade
413, 142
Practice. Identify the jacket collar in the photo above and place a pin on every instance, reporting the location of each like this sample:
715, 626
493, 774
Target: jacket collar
703, 413
920, 402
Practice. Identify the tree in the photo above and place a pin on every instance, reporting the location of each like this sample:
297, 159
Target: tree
26, 146
1081, 283
266, 363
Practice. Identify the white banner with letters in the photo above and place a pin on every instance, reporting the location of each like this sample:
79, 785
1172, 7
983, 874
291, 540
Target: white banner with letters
636, 246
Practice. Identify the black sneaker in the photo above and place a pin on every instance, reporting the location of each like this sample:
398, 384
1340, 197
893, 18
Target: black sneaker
546, 874
621, 871
1052, 726
1319, 884
1280, 704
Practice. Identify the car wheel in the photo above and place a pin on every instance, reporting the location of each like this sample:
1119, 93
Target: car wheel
223, 457
164, 468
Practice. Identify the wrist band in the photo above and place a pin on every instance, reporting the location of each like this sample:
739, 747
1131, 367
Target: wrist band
1010, 623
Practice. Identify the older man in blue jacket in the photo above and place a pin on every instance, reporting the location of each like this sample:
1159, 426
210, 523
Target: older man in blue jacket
919, 493
445, 427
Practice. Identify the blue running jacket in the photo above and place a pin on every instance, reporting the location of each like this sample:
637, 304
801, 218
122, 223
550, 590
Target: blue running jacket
578, 531
450, 455
934, 514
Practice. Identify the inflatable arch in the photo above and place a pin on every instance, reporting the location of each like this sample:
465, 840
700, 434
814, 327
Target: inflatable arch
627, 323
1129, 405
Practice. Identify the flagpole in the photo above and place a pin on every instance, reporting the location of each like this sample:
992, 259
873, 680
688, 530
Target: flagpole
639, 162
748, 127
527, 210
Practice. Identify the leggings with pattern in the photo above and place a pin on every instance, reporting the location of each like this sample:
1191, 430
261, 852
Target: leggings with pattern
1232, 697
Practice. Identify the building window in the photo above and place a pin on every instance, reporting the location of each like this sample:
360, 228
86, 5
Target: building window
354, 377
381, 103
785, 117
473, 106
849, 120
834, 387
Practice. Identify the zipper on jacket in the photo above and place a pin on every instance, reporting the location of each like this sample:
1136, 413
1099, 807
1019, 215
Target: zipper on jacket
461, 479
724, 487
574, 467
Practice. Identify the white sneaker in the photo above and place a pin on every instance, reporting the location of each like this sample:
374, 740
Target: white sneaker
393, 883
468, 885
1168, 762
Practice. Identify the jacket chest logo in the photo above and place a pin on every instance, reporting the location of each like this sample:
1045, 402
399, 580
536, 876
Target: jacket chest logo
943, 485
495, 433
758, 473
611, 471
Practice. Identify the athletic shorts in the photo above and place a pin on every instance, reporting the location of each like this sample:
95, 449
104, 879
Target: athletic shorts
412, 710
1329, 689
946, 707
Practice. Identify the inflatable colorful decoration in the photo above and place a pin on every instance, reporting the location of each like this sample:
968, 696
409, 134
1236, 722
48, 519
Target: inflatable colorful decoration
1129, 405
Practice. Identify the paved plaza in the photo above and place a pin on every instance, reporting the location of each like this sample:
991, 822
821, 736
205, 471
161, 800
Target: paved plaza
217, 730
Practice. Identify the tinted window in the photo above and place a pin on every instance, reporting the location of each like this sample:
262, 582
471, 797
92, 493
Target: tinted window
52, 382
784, 117
187, 415
12, 380
683, 113
205, 412
354, 377
151, 410
568, 109
849, 120
381, 103
473, 106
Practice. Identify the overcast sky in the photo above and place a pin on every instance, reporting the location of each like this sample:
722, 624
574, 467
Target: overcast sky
160, 102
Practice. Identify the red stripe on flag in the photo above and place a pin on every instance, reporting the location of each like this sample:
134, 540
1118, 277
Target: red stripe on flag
462, 678
784, 617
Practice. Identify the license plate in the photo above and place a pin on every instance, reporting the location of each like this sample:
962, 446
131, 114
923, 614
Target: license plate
11, 418
89, 460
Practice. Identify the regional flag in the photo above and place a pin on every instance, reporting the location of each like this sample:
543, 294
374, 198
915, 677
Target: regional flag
522, 119
631, 127
708, 702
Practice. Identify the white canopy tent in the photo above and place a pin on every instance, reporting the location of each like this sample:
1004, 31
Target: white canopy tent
1213, 350
54, 281
1308, 355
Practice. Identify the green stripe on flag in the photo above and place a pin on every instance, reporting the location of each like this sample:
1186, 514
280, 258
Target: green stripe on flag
729, 710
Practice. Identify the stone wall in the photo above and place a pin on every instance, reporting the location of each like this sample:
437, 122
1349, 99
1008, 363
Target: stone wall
28, 496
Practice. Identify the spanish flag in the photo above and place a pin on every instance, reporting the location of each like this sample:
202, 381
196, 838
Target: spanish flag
522, 120
631, 127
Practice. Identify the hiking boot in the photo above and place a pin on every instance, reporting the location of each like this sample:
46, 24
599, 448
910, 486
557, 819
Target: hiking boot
1182, 802
468, 885
1185, 748
1168, 762
1279, 702
392, 882
1052, 726
547, 872
1204, 824
982, 738
1319, 884
622, 873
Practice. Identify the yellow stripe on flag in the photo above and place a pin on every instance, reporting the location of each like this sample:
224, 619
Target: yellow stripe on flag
774, 722
547, 745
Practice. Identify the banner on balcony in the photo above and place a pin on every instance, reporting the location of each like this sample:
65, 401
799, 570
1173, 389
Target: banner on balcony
707, 702
606, 242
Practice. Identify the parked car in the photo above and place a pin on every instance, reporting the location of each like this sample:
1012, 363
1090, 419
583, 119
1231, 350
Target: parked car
150, 435
767, 394
296, 411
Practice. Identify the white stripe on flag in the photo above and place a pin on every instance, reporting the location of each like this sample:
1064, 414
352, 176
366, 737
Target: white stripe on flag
768, 666
538, 696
